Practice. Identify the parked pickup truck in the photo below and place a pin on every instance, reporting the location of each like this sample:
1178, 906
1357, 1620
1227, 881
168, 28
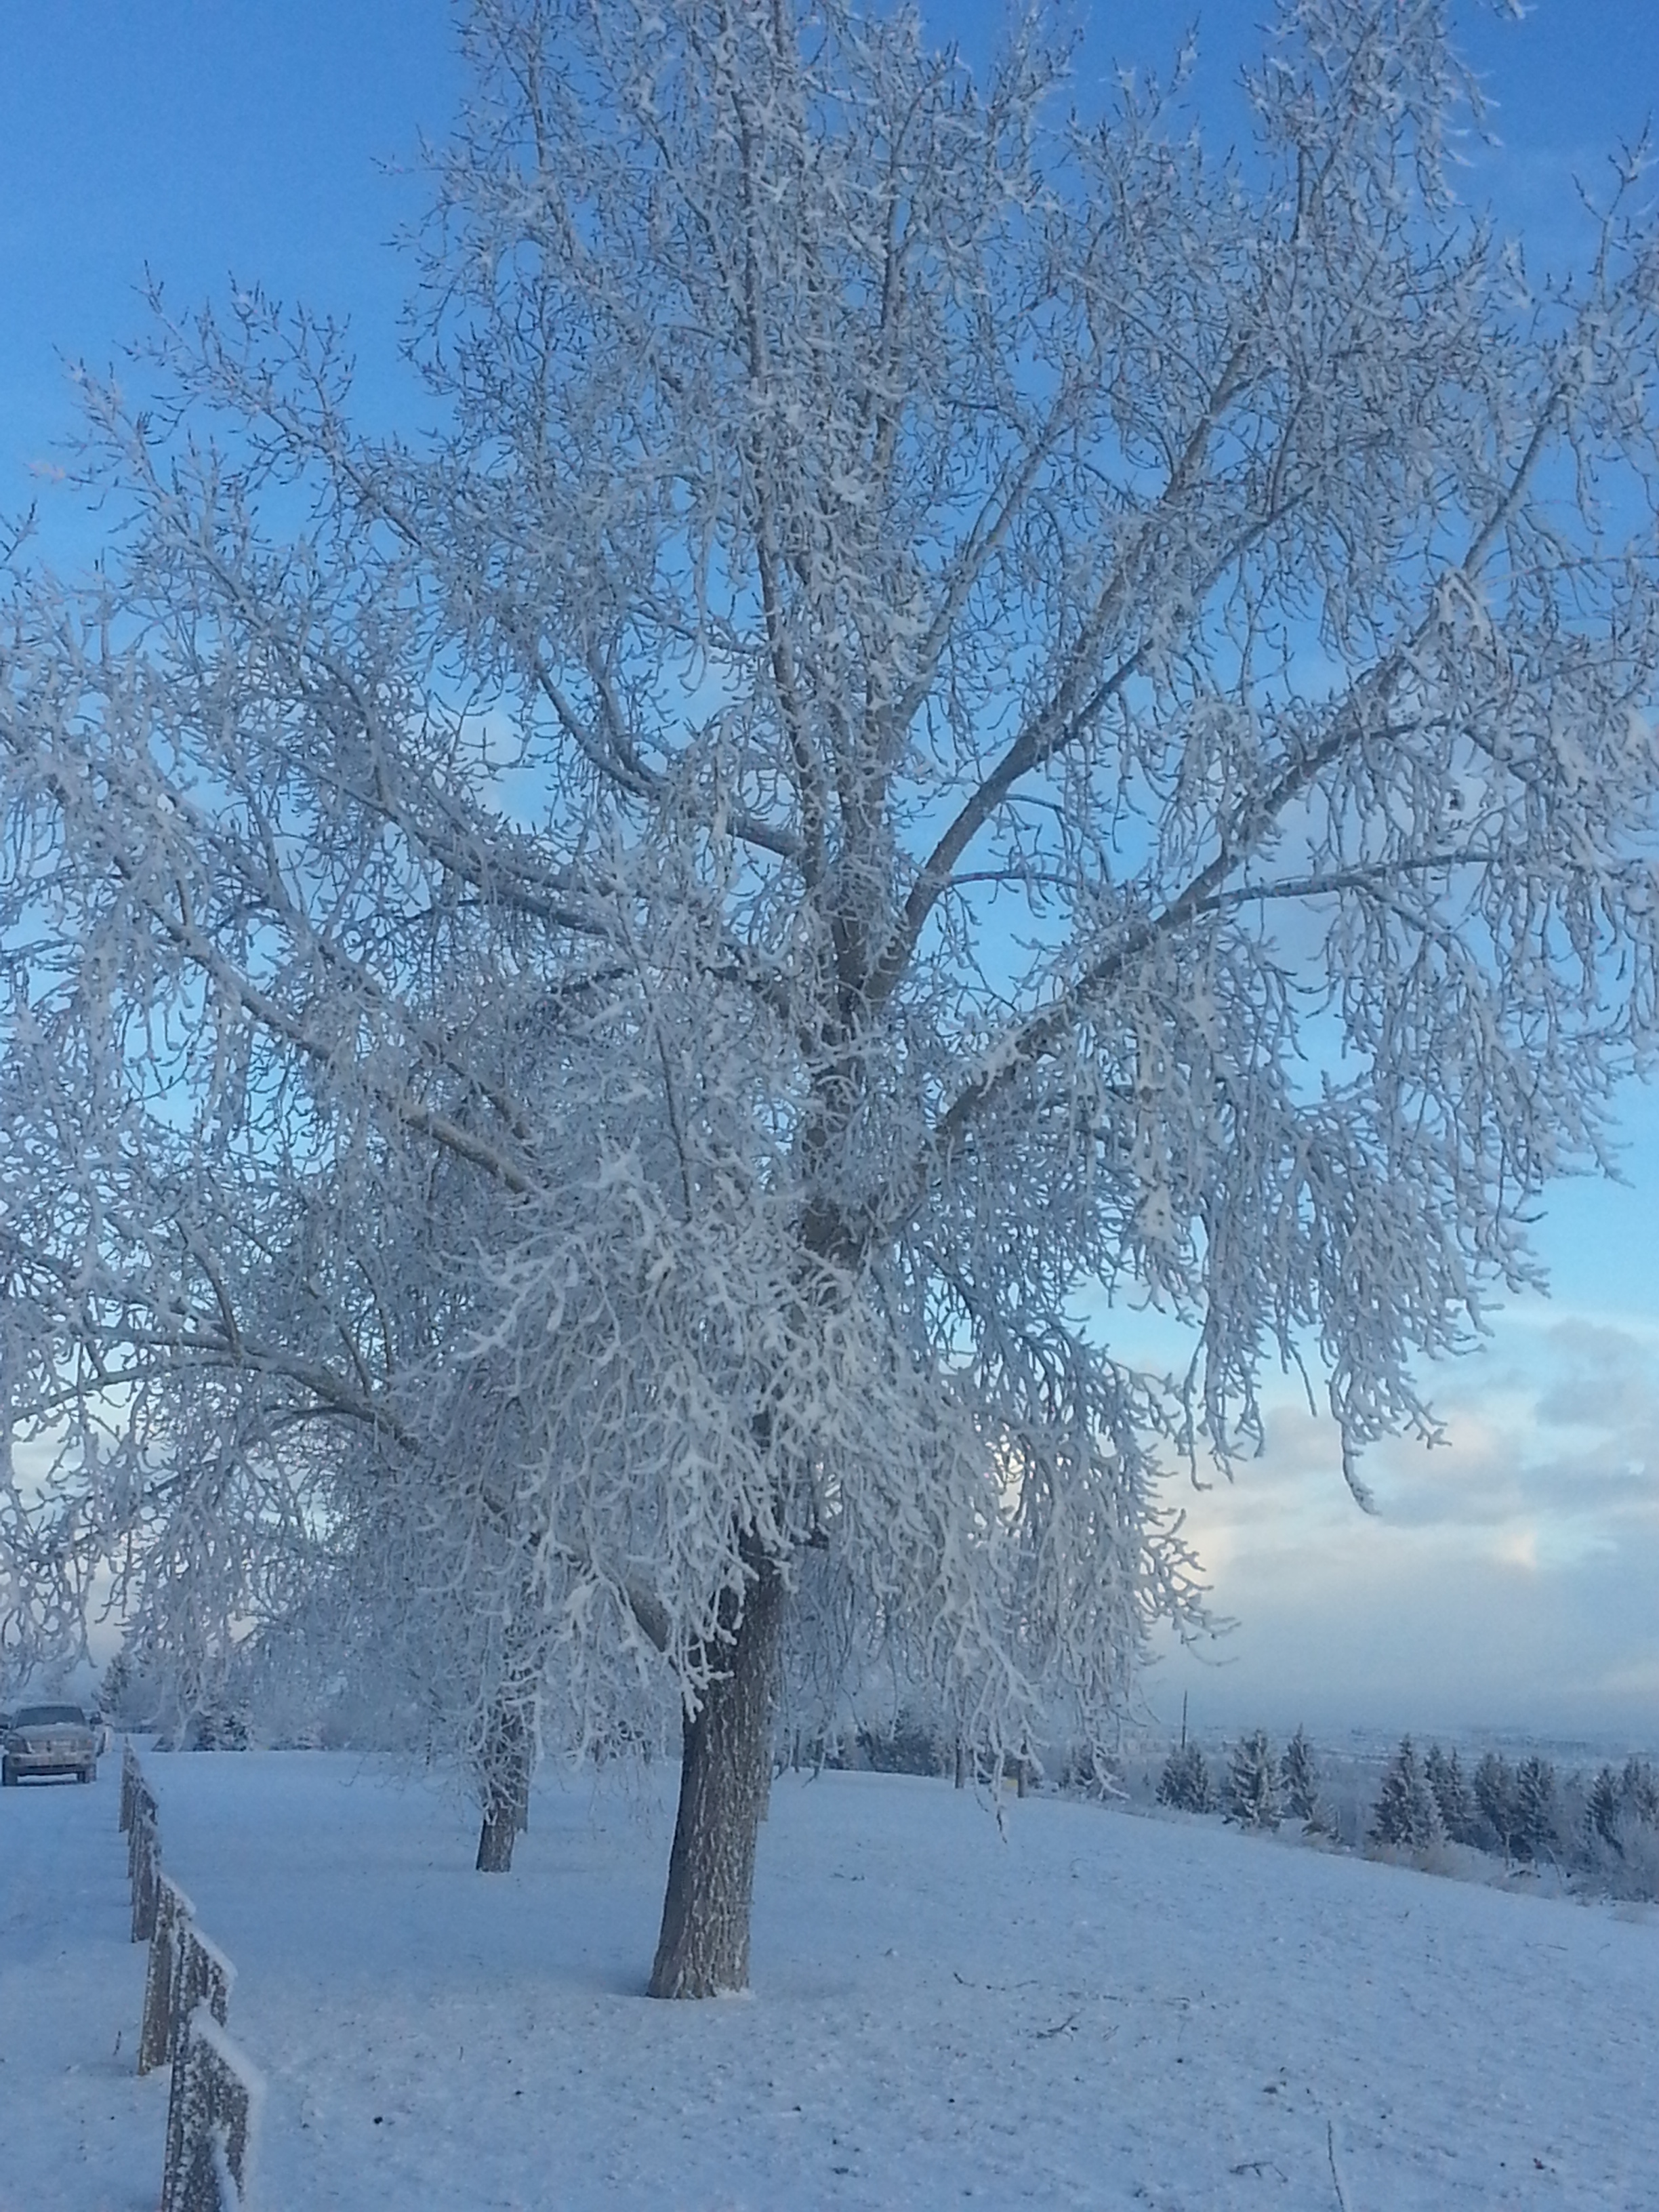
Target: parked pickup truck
45, 1740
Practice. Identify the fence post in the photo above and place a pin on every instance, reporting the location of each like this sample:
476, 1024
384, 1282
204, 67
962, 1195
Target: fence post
144, 1864
203, 1978
142, 1810
160, 2031
217, 2094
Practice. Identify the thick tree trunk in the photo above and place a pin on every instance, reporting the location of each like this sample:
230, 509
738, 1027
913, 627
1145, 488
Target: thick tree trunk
704, 1950
504, 1787
495, 1839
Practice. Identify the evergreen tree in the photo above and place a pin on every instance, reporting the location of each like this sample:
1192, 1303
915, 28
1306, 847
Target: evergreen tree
1535, 1834
1299, 1776
1494, 1797
1251, 1796
1605, 1811
1407, 1816
117, 1686
1639, 1792
1185, 1782
1445, 1777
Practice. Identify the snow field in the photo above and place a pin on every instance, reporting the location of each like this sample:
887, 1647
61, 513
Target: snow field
1088, 2009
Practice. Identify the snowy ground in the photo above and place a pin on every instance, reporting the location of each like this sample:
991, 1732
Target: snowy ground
76, 2126
1092, 2010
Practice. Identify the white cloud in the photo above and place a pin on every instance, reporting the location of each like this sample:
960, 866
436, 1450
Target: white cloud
1507, 1578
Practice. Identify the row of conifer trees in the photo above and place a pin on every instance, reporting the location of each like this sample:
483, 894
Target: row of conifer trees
1526, 1813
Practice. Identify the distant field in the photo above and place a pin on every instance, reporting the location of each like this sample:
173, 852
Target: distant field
1092, 2009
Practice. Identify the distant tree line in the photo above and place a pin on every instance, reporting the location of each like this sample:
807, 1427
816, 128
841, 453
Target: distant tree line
1603, 1829
1257, 1792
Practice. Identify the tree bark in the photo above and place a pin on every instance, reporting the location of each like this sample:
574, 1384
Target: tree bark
496, 1838
725, 1777
504, 1787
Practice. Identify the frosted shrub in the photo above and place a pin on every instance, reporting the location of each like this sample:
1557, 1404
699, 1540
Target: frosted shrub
217, 1728
909, 1744
1087, 1770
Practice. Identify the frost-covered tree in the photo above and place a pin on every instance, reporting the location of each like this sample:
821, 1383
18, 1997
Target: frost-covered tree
1407, 1815
1185, 1784
1622, 1818
1298, 1782
1638, 1791
1604, 1809
1443, 1772
967, 709
1249, 1795
1536, 1810
1620, 1833
1499, 1825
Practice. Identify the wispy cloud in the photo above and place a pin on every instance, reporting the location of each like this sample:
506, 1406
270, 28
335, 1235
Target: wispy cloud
1507, 1576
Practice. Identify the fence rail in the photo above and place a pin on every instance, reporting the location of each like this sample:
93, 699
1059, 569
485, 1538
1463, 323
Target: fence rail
214, 2092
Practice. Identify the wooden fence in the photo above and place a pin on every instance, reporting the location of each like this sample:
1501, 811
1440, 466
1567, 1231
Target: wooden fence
215, 2093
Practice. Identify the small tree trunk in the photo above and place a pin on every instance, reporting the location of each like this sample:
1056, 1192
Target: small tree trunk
725, 1780
961, 1764
504, 1787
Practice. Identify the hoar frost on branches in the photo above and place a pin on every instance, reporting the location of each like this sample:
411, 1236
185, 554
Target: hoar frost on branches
969, 715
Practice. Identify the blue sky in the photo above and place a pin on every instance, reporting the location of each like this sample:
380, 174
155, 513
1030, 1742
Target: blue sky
1510, 1579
